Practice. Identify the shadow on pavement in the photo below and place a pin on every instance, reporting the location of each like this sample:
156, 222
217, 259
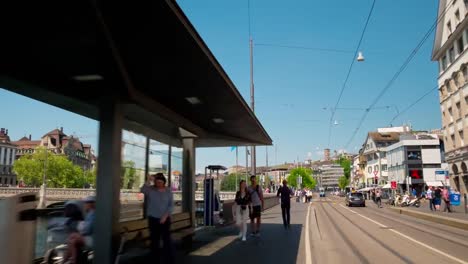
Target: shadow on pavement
275, 245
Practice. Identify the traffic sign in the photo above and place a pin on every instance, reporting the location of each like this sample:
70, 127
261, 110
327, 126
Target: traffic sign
393, 185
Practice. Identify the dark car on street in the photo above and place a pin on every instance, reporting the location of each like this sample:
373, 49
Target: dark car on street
355, 199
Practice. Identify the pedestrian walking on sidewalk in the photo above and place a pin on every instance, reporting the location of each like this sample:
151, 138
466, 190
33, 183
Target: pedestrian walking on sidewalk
378, 198
437, 198
241, 215
286, 195
430, 198
256, 202
446, 198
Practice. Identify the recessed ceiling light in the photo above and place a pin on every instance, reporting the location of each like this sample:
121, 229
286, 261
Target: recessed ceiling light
218, 120
88, 78
193, 100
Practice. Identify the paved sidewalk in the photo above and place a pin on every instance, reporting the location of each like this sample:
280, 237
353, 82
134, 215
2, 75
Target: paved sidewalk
275, 244
458, 212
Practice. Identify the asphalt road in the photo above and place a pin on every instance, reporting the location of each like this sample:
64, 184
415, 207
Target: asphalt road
339, 234
326, 231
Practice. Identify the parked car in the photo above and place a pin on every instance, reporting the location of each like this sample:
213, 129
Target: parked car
355, 199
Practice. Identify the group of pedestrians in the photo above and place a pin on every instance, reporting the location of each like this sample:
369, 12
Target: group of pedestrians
249, 203
304, 195
435, 196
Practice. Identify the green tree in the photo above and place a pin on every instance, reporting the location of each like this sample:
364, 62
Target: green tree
306, 174
129, 175
346, 165
60, 172
343, 182
229, 182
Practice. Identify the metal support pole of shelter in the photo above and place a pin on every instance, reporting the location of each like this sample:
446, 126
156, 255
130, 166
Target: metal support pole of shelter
148, 151
188, 178
106, 234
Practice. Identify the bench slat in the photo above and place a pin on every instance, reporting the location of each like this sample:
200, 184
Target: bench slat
143, 234
180, 217
133, 225
181, 225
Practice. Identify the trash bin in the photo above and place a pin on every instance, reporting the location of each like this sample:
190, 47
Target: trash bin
18, 228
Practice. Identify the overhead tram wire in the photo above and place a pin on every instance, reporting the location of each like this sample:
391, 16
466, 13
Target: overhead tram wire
399, 71
349, 72
413, 104
302, 48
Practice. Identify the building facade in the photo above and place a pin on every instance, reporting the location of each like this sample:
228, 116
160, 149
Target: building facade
416, 161
7, 158
375, 156
451, 42
329, 175
59, 143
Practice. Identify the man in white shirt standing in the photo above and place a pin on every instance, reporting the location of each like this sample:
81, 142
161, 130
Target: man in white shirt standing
255, 210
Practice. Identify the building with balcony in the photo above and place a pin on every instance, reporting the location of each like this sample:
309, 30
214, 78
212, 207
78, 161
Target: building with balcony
7, 158
449, 50
373, 157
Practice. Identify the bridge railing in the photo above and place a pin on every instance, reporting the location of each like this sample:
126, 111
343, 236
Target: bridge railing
63, 194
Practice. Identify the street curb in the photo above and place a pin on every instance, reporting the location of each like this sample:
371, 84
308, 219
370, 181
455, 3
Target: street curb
433, 218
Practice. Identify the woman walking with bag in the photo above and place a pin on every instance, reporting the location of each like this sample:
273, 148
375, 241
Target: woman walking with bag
241, 213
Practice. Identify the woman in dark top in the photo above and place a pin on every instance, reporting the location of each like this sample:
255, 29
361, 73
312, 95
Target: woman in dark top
241, 213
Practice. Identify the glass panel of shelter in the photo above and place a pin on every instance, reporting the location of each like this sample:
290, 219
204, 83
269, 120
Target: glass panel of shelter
162, 158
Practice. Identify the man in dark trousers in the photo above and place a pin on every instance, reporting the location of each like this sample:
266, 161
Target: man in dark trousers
286, 195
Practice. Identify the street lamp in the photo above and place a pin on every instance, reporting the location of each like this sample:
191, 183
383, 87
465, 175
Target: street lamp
360, 56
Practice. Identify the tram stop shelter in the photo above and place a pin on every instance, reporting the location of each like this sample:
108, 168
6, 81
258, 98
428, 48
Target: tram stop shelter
130, 65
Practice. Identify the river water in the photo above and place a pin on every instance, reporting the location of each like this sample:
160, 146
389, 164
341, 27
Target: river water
41, 236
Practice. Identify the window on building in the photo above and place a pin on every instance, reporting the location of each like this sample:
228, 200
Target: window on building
451, 55
444, 63
456, 81
376, 167
458, 109
466, 100
416, 174
369, 169
461, 45
465, 74
452, 137
466, 4
460, 133
414, 155
457, 16
430, 147
431, 166
450, 111
384, 167
449, 27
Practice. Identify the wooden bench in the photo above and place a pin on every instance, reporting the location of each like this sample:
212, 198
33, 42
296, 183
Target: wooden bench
135, 236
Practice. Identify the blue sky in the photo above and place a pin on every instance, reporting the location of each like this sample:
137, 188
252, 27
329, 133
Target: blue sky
293, 86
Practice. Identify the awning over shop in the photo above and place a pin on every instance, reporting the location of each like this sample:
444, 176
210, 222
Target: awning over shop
365, 189
386, 186
435, 183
